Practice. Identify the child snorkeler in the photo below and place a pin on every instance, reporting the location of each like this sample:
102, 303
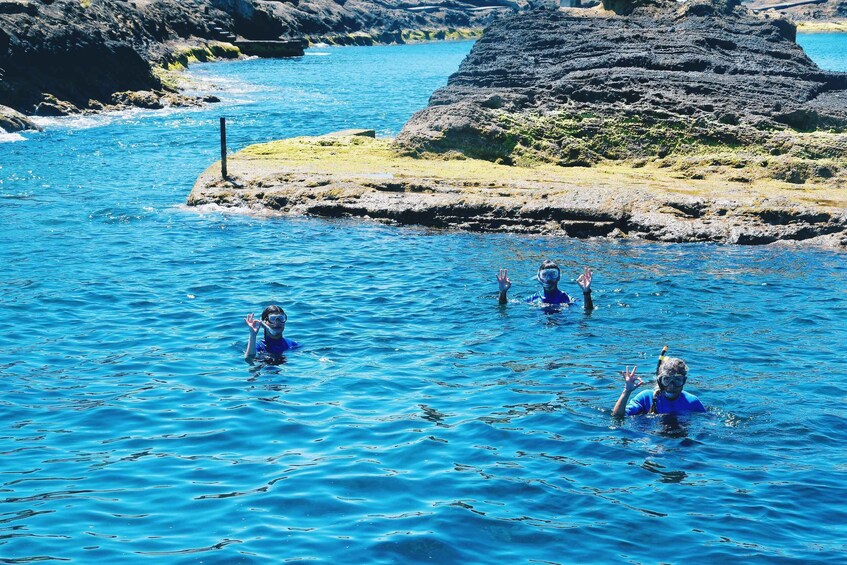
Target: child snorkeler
548, 275
273, 321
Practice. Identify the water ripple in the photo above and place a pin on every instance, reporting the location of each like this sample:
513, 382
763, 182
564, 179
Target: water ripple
420, 421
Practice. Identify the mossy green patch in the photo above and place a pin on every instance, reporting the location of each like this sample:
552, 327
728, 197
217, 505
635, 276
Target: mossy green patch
832, 26
698, 148
169, 71
448, 34
363, 38
180, 58
354, 164
583, 138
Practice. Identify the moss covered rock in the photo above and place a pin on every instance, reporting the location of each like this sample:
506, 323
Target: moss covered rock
650, 80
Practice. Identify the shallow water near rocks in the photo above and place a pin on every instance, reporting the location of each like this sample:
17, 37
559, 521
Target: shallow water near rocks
421, 421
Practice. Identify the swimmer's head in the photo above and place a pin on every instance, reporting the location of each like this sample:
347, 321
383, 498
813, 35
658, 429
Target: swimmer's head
549, 275
671, 377
273, 319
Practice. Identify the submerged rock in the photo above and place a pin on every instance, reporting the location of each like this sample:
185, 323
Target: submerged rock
648, 79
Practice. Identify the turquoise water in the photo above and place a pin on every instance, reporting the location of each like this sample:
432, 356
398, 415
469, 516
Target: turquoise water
421, 421
828, 50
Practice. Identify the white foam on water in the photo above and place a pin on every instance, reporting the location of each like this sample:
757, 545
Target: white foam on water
88, 121
10, 137
203, 80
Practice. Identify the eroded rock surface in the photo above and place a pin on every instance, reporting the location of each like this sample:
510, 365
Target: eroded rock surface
342, 176
652, 80
797, 10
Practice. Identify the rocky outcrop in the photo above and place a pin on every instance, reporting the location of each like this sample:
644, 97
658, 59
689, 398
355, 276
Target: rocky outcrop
65, 56
343, 176
642, 80
13, 121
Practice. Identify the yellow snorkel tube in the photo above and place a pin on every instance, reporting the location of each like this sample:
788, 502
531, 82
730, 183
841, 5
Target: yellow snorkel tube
661, 359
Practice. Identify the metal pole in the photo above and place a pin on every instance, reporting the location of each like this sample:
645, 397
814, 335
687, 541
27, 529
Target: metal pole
223, 148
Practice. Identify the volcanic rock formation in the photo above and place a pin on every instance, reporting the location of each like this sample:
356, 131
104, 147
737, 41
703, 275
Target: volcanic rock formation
65, 56
637, 80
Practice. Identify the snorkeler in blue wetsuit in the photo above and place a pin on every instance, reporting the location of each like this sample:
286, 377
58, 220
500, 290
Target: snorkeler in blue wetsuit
273, 321
667, 398
548, 275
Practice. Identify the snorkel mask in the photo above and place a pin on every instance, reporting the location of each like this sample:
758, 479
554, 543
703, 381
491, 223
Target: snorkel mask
273, 320
549, 277
670, 371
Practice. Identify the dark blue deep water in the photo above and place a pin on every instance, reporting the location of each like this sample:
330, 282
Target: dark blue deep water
420, 422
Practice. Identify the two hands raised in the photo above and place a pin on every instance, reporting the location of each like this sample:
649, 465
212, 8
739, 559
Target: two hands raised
583, 280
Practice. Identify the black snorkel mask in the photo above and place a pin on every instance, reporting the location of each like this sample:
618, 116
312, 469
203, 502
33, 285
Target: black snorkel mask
659, 384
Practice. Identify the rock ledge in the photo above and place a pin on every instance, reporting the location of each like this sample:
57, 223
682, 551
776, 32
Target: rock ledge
356, 176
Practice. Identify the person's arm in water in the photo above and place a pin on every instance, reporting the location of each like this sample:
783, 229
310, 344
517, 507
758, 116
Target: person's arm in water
584, 282
630, 384
254, 326
504, 284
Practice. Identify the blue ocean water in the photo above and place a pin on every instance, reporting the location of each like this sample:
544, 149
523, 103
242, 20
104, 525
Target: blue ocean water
828, 50
421, 421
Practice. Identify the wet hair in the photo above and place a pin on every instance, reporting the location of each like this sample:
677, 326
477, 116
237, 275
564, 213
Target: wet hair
669, 366
672, 366
548, 264
272, 309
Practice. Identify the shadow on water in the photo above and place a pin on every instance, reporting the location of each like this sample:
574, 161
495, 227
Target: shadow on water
666, 475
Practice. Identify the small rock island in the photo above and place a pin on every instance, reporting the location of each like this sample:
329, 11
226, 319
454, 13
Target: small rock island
694, 121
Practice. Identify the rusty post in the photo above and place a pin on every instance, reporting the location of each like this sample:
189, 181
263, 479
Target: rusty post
223, 148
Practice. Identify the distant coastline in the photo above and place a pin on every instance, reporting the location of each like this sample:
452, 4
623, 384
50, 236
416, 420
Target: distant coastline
139, 67
831, 26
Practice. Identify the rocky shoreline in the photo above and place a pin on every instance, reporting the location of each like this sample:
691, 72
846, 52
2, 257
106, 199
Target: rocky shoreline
354, 176
61, 57
694, 122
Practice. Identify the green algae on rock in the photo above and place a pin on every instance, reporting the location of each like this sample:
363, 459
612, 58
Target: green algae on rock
347, 176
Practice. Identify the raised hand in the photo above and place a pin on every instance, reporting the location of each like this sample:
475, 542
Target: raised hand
630, 381
584, 280
503, 281
253, 323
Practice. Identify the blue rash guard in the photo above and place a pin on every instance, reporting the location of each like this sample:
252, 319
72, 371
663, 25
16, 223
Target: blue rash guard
275, 346
555, 297
643, 401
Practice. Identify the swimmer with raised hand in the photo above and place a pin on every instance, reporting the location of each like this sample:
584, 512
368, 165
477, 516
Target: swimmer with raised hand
668, 396
273, 321
548, 275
